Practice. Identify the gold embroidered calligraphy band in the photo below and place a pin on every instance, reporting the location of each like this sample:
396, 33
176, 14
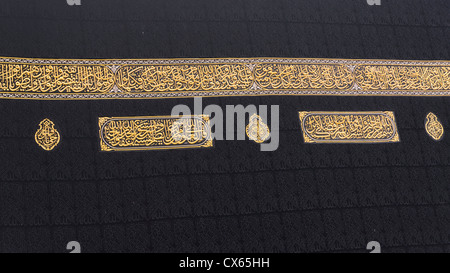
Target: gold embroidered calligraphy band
349, 127
164, 78
152, 133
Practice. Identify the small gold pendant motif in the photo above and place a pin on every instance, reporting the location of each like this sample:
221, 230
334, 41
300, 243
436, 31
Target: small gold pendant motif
434, 127
47, 136
257, 130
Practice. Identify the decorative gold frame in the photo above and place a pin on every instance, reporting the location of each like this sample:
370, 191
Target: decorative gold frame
151, 133
338, 127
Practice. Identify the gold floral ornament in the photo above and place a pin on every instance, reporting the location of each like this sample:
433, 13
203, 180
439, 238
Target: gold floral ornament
257, 130
434, 127
47, 136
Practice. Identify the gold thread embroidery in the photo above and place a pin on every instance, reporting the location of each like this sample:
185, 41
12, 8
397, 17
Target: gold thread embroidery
348, 127
150, 133
166, 78
387, 77
170, 78
35, 78
47, 136
303, 76
434, 127
257, 130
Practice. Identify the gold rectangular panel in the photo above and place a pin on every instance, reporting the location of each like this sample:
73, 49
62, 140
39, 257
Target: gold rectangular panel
349, 127
154, 133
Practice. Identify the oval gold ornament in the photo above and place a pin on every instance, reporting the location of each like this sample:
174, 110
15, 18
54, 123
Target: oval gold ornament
47, 136
257, 130
434, 127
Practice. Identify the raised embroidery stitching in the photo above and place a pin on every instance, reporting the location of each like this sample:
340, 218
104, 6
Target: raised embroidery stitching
150, 133
434, 127
348, 127
257, 130
47, 136
165, 78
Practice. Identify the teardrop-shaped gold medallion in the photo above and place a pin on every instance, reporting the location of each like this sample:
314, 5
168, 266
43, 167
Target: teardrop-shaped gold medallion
434, 127
47, 136
257, 130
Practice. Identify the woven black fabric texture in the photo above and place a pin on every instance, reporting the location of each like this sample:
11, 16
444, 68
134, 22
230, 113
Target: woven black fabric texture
231, 198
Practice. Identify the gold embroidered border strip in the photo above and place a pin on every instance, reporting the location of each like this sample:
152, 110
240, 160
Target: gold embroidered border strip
349, 127
165, 78
153, 133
